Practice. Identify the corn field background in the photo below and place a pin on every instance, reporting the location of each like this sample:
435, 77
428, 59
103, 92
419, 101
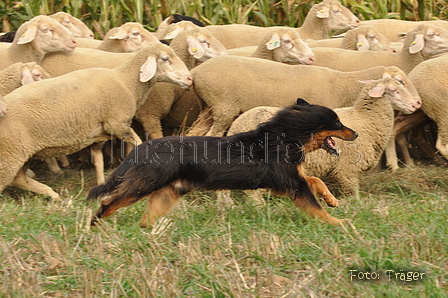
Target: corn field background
103, 15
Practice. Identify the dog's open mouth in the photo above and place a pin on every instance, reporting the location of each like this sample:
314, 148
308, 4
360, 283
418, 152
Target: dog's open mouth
330, 146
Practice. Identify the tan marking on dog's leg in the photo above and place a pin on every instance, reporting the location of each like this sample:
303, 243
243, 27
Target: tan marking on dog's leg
109, 206
317, 212
159, 203
319, 189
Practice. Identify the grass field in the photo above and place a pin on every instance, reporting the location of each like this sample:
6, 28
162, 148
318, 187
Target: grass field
398, 237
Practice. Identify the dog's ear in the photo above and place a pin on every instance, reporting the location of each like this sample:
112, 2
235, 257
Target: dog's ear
302, 102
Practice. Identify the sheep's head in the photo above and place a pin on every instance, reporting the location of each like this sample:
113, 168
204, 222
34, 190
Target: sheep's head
75, 25
46, 35
401, 97
287, 47
366, 38
31, 72
131, 36
337, 16
431, 40
174, 29
164, 65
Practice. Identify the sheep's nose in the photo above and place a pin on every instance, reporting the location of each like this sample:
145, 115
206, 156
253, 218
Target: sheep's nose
311, 60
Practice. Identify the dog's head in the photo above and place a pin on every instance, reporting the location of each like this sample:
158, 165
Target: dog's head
322, 124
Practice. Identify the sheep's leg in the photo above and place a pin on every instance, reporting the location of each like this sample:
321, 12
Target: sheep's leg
132, 139
24, 182
222, 121
402, 124
319, 189
159, 203
53, 165
63, 159
98, 161
152, 127
403, 144
391, 155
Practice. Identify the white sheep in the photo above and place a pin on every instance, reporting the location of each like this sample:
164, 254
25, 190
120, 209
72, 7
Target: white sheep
66, 114
320, 22
372, 117
75, 25
422, 43
363, 38
19, 74
36, 38
170, 31
360, 39
431, 81
15, 76
282, 45
193, 46
243, 83
80, 31
177, 18
128, 38
395, 30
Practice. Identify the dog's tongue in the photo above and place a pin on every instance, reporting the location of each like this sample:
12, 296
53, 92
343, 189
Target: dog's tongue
330, 146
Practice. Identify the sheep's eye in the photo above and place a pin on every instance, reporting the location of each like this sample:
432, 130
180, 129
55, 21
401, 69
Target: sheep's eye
166, 58
136, 33
287, 41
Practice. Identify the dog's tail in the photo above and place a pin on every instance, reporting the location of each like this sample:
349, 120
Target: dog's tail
112, 182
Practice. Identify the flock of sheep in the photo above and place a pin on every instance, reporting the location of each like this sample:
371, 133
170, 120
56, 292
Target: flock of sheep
62, 91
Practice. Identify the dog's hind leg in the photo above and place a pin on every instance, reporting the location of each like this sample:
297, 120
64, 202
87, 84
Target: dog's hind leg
110, 205
159, 203
320, 190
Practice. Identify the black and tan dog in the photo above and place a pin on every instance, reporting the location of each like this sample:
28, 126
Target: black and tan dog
269, 157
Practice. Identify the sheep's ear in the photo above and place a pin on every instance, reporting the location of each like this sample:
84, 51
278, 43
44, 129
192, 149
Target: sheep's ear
148, 69
174, 33
323, 13
418, 44
302, 102
195, 48
27, 76
121, 34
274, 42
28, 36
378, 91
362, 44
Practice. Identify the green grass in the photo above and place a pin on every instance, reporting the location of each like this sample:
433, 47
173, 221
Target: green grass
207, 250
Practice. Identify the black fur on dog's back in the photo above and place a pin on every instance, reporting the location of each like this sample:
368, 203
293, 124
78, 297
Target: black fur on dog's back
263, 158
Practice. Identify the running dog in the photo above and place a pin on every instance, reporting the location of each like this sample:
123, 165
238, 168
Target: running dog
269, 157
